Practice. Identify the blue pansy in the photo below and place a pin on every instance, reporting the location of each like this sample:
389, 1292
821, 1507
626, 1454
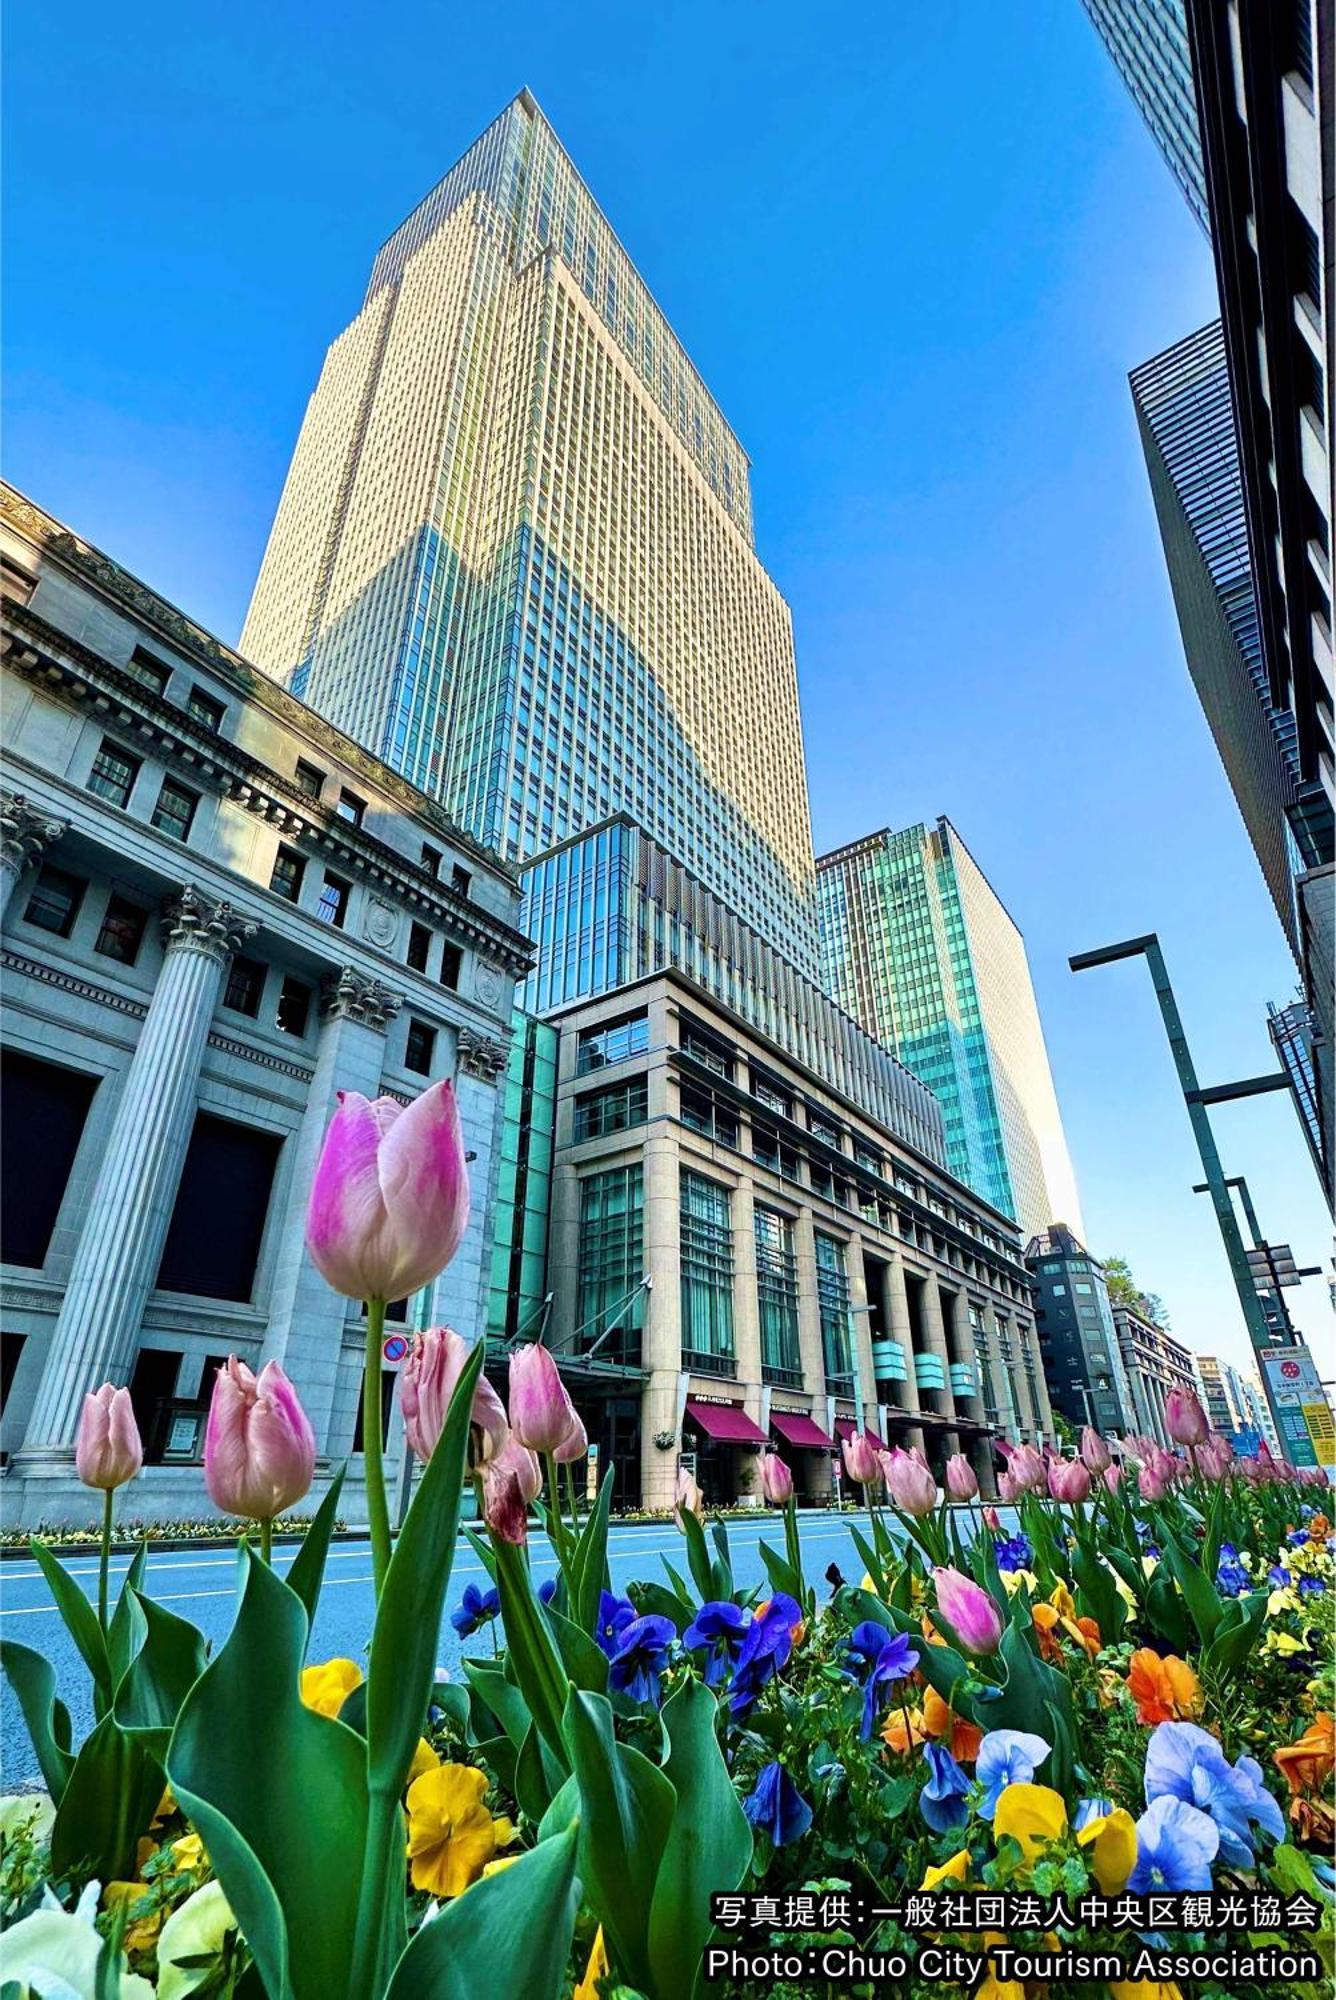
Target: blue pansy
1184, 1762
1089, 1809
1311, 1586
476, 1607
878, 1658
1006, 1757
944, 1799
547, 1590
1278, 1576
1231, 1578
614, 1615
718, 1630
777, 1807
1176, 1845
1014, 1552
765, 1649
1297, 1537
641, 1657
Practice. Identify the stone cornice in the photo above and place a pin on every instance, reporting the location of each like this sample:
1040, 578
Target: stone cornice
42, 652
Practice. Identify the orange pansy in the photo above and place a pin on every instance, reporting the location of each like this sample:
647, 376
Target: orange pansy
1164, 1690
1307, 1764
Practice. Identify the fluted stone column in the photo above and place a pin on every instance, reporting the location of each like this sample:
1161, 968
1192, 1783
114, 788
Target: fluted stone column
25, 834
306, 1318
941, 1443
96, 1335
746, 1304
811, 1351
661, 1349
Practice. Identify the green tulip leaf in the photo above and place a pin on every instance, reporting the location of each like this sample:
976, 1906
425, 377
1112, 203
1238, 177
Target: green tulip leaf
651, 1599
1097, 1594
125, 1629
583, 1658
782, 1575
531, 1650
80, 1622
278, 1794
871, 1559
709, 1846
626, 1813
532, 1786
491, 1686
698, 1556
306, 1571
589, 1568
1164, 1611
1199, 1592
509, 1935
109, 1798
33, 1680
1236, 1635
170, 1659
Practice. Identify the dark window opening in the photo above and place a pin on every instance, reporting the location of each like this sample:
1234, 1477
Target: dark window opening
351, 808
245, 983
310, 779
11, 1348
54, 902
461, 880
154, 674
113, 774
213, 1243
420, 1048
289, 868
174, 813
204, 709
333, 905
432, 858
38, 1097
152, 1389
419, 946
452, 960
122, 930
294, 1007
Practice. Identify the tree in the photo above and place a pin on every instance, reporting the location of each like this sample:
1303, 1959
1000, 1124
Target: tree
1125, 1291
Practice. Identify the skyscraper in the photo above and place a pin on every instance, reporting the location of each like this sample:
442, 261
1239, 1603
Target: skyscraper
1148, 41
919, 948
513, 554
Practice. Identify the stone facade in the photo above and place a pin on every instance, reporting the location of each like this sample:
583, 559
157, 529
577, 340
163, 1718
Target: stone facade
1154, 1363
875, 1288
218, 912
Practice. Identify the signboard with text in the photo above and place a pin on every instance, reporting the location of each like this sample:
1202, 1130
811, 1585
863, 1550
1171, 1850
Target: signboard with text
1302, 1411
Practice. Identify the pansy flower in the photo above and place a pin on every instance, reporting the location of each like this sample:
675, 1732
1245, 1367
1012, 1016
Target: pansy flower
641, 1656
718, 1630
944, 1799
1164, 1689
1176, 1844
476, 1607
615, 1614
765, 1651
776, 1807
878, 1658
1006, 1757
1187, 1763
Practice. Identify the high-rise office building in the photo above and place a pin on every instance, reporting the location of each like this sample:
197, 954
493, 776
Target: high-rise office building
1083, 1358
513, 554
1148, 41
919, 948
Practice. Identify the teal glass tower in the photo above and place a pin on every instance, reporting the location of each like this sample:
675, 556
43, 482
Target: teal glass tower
920, 950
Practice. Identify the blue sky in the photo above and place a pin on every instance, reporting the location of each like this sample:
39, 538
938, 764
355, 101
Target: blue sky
914, 251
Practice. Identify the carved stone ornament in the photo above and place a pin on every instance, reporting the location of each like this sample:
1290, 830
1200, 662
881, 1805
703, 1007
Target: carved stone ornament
487, 982
380, 923
196, 922
25, 831
480, 1056
350, 995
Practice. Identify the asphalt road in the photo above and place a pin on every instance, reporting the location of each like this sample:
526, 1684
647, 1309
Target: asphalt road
200, 1585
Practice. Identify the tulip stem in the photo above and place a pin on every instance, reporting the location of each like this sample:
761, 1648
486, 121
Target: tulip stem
108, 1501
377, 1508
267, 1542
569, 1471
558, 1520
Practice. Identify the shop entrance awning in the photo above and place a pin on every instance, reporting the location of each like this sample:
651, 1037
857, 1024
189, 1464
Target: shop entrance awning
728, 1423
796, 1427
844, 1428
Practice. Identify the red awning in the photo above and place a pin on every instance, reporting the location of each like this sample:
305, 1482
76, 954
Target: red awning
798, 1428
728, 1422
844, 1428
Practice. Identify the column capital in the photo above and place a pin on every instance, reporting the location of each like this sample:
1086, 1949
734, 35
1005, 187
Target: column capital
193, 921
480, 1056
25, 830
350, 995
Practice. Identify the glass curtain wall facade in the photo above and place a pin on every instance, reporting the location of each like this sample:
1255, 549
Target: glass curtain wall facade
611, 1297
707, 1276
518, 1283
777, 1299
514, 554
1148, 41
920, 950
832, 1293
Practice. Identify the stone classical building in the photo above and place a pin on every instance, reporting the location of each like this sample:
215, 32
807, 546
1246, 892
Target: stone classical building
218, 912
1153, 1364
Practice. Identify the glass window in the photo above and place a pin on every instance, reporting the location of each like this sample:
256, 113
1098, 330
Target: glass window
431, 858
452, 961
54, 902
821, 1128
113, 774
420, 1048
142, 666
612, 1042
289, 868
614, 1110
310, 779
122, 930
204, 709
769, 1092
294, 1007
611, 1297
333, 905
419, 946
832, 1291
696, 1042
350, 807
461, 881
707, 1276
245, 983
866, 1158
777, 1297
174, 813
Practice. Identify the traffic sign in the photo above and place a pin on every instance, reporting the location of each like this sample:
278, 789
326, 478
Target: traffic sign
394, 1347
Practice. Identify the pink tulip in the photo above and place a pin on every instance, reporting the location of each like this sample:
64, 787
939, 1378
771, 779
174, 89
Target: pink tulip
107, 1450
1152, 1483
1068, 1481
1214, 1457
428, 1377
1095, 1454
961, 1483
969, 1611
542, 1414
860, 1459
259, 1448
504, 1507
1112, 1476
1028, 1468
1008, 1492
776, 1480
1184, 1417
992, 1520
574, 1445
909, 1484
390, 1200
689, 1499
515, 1457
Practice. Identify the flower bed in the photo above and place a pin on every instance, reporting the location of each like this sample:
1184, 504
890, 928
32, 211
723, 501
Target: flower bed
1092, 1755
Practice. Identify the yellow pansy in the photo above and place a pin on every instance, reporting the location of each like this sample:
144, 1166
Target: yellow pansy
1284, 1643
596, 1970
1146, 1989
1113, 1839
424, 1759
142, 1931
956, 1870
189, 1851
451, 1834
1286, 1598
502, 1861
1012, 1579
1123, 1588
1032, 1814
327, 1687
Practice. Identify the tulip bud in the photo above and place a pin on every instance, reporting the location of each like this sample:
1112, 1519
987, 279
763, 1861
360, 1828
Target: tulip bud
1008, 1492
1029, 1469
575, 1444
503, 1504
1151, 1483
107, 1450
860, 1459
969, 1611
514, 1457
1214, 1457
259, 1448
1068, 1481
1095, 1454
689, 1498
992, 1520
910, 1485
1112, 1476
1184, 1417
390, 1199
427, 1384
542, 1414
961, 1483
776, 1480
